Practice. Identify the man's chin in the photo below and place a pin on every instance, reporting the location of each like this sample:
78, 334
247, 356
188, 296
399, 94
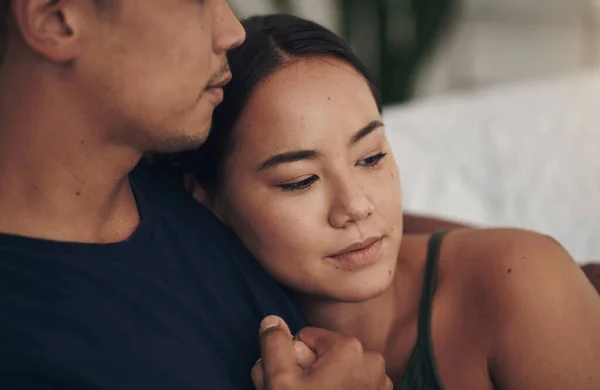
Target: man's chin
180, 143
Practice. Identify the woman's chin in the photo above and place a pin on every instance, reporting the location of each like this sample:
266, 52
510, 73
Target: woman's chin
332, 284
361, 294
359, 288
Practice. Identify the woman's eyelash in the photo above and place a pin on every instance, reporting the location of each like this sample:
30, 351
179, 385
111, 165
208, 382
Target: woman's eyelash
305, 184
299, 185
372, 161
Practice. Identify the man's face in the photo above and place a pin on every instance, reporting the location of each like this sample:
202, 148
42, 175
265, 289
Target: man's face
147, 66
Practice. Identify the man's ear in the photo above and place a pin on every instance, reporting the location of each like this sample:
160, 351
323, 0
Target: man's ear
199, 193
53, 28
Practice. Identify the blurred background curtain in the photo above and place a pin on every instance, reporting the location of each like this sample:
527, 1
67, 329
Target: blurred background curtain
420, 48
393, 37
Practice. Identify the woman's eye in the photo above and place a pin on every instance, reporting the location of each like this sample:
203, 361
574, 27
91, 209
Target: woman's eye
372, 161
298, 185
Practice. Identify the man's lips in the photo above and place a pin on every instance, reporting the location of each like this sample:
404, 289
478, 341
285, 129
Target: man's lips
221, 83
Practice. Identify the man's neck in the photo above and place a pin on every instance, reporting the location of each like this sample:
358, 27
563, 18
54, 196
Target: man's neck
58, 179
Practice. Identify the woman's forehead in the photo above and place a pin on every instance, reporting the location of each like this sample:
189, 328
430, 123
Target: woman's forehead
303, 100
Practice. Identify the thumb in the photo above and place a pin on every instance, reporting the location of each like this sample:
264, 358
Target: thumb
277, 349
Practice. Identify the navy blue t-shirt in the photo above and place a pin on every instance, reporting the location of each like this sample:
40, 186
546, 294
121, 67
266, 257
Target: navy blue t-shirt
176, 306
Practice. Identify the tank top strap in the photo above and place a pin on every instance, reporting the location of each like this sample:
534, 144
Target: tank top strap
424, 342
428, 289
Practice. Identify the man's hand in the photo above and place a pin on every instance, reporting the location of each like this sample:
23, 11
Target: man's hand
341, 363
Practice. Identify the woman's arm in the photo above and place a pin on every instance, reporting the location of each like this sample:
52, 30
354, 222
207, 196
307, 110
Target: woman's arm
547, 333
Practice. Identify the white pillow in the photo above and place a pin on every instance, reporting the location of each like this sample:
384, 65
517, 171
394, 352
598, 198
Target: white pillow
524, 155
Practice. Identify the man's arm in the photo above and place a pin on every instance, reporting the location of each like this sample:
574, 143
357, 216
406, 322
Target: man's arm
419, 224
547, 330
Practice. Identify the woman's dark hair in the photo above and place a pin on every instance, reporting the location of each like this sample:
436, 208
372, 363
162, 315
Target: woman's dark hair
272, 42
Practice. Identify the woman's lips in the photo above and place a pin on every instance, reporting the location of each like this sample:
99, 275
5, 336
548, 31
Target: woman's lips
359, 255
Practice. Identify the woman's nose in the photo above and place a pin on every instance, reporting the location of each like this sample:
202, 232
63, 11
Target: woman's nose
350, 205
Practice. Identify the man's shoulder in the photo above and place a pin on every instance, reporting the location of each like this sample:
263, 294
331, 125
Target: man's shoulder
184, 287
159, 188
169, 200
183, 224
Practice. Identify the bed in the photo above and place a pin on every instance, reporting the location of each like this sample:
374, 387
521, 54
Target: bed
524, 155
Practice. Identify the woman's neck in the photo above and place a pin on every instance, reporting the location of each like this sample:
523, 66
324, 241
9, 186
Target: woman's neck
378, 322
371, 321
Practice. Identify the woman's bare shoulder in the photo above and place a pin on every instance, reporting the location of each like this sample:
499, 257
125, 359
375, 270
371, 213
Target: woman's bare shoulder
533, 300
501, 266
491, 254
505, 263
510, 251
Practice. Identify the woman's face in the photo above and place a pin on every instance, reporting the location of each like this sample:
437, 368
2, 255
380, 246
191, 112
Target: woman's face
311, 186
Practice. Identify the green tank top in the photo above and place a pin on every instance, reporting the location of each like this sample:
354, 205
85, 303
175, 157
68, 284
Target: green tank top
421, 371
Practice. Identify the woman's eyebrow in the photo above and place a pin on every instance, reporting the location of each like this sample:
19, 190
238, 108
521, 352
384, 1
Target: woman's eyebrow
297, 155
368, 129
288, 157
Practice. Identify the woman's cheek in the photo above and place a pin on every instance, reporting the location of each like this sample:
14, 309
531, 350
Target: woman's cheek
387, 195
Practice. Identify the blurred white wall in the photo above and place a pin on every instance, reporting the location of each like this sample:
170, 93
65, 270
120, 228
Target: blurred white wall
325, 12
245, 8
491, 42
496, 41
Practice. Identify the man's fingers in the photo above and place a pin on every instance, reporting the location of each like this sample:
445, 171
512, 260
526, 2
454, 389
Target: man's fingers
388, 384
277, 349
318, 340
257, 375
305, 357
285, 327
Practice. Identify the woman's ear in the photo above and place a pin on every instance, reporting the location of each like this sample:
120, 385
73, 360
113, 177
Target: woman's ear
199, 193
